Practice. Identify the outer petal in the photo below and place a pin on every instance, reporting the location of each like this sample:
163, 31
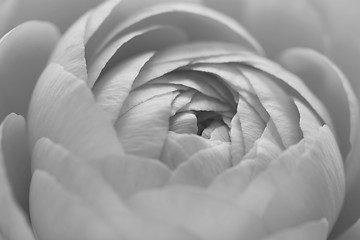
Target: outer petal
278, 24
62, 13
24, 52
69, 199
332, 87
17, 158
13, 224
312, 230
353, 233
210, 217
64, 110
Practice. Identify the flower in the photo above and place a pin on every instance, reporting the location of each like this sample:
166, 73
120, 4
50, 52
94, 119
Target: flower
168, 122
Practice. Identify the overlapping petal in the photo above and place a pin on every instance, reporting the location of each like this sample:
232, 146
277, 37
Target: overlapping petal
24, 52
13, 191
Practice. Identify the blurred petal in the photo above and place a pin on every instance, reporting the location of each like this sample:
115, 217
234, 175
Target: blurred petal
61, 13
312, 231
130, 174
13, 223
346, 54
314, 186
63, 109
278, 24
14, 143
353, 233
70, 200
331, 86
201, 168
24, 52
210, 217
351, 209
305, 183
78, 179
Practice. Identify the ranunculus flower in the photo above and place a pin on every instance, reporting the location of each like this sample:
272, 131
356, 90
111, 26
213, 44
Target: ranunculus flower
168, 120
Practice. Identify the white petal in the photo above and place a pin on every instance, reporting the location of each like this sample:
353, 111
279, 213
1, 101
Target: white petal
176, 57
13, 223
278, 24
278, 105
142, 129
316, 230
64, 110
70, 200
46, 10
207, 216
188, 17
309, 184
331, 86
201, 168
57, 213
24, 52
132, 44
70, 51
112, 89
130, 174
15, 150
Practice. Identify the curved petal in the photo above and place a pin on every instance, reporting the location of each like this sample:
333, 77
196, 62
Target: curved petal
142, 130
70, 51
63, 109
353, 233
24, 52
13, 223
314, 187
202, 167
114, 87
332, 87
278, 24
45, 10
17, 159
305, 183
312, 230
130, 174
69, 199
210, 217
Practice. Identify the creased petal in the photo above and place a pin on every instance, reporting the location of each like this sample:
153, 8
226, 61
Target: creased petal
203, 167
187, 17
113, 88
132, 44
314, 185
69, 199
332, 87
63, 109
13, 223
70, 51
24, 52
142, 129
